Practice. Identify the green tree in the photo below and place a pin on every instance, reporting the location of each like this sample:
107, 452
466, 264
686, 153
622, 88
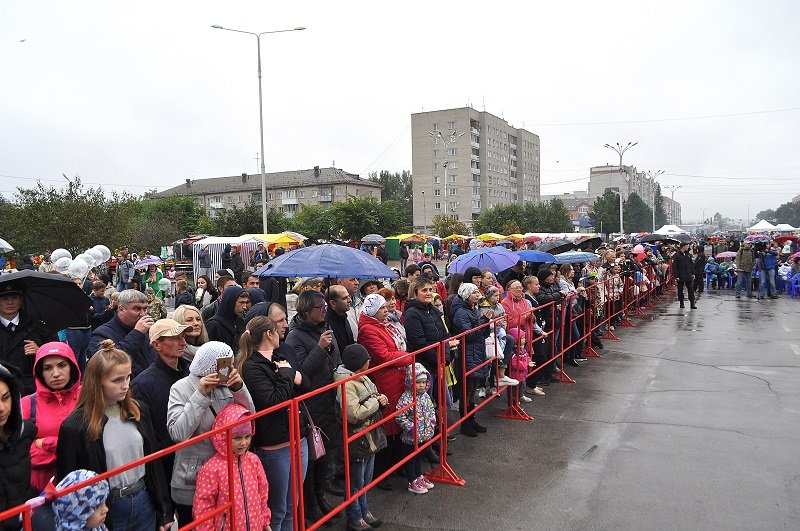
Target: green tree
358, 216
638, 216
661, 214
769, 215
314, 222
444, 225
555, 217
788, 213
398, 187
181, 209
605, 213
498, 217
247, 220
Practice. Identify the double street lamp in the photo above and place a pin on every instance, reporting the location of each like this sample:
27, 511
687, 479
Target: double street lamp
261, 112
620, 150
653, 176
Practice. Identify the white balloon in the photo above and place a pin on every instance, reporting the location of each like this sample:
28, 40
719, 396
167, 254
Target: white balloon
78, 268
86, 258
97, 255
106, 253
59, 253
62, 264
164, 284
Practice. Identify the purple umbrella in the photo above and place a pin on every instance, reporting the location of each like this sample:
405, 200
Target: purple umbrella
150, 260
495, 259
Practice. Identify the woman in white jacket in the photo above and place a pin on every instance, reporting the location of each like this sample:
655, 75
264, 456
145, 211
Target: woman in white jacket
194, 402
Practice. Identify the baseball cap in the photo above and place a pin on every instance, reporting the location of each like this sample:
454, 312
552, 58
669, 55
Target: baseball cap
166, 328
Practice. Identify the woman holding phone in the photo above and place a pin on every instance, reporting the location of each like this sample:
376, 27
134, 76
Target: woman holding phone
194, 402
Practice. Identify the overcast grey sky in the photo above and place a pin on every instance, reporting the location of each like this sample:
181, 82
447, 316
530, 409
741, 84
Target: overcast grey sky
144, 95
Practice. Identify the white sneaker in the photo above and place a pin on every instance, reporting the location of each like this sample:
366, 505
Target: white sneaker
505, 380
482, 392
538, 391
523, 398
416, 487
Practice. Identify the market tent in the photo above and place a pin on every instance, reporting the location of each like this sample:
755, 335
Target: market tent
785, 227
670, 229
456, 237
490, 237
762, 225
216, 244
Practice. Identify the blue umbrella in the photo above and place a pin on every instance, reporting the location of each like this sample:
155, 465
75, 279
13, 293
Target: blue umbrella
574, 257
531, 255
495, 259
327, 261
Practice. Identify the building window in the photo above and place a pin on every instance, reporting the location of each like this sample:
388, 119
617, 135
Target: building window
452, 165
453, 191
302, 194
338, 191
437, 179
435, 152
435, 127
435, 166
315, 193
452, 151
451, 125
476, 190
437, 192
437, 206
270, 196
453, 178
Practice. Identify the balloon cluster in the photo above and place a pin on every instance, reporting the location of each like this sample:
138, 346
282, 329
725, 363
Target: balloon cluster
79, 266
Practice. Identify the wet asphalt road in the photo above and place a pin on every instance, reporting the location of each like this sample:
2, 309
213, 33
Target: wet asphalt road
691, 421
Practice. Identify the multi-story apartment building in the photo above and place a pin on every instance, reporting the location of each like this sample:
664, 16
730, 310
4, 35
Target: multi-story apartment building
628, 180
285, 190
464, 161
672, 209
578, 204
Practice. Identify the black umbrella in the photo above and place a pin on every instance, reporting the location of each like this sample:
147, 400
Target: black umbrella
555, 246
652, 238
51, 298
683, 238
589, 244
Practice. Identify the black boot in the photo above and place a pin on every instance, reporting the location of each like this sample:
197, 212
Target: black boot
324, 506
467, 429
477, 427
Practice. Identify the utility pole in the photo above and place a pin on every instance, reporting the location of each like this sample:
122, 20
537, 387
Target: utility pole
620, 150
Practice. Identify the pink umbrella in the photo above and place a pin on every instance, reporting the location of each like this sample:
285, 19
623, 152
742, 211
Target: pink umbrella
726, 254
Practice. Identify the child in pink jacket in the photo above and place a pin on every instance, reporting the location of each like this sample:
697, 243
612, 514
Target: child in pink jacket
250, 483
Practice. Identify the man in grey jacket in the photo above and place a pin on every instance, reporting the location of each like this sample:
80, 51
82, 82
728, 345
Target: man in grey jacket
745, 258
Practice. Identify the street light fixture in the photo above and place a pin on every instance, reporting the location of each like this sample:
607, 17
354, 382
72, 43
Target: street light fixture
672, 189
620, 150
653, 192
261, 112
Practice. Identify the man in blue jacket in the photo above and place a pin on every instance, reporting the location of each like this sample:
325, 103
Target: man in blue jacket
129, 329
769, 265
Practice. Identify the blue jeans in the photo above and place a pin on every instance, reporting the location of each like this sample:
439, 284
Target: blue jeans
277, 465
744, 278
78, 341
360, 475
767, 275
132, 512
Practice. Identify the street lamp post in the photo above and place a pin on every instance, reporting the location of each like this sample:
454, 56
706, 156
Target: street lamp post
620, 150
261, 113
653, 193
424, 214
672, 189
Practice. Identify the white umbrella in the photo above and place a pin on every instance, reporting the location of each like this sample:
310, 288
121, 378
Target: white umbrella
5, 246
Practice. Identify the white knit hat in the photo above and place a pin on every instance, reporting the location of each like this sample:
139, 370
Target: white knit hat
466, 289
205, 359
373, 303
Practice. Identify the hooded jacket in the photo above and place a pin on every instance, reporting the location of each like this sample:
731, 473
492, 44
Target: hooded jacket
515, 310
682, 266
424, 328
425, 417
383, 349
317, 365
466, 318
363, 410
226, 326
250, 490
15, 457
52, 407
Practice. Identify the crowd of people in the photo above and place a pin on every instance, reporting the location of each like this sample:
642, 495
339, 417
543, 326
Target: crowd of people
132, 383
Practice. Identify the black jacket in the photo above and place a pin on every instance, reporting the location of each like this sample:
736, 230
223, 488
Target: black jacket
269, 387
152, 387
226, 326
424, 327
341, 329
682, 266
130, 340
12, 348
317, 365
275, 289
75, 451
184, 298
466, 318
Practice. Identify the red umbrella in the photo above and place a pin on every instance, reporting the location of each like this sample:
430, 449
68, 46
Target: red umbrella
531, 239
787, 237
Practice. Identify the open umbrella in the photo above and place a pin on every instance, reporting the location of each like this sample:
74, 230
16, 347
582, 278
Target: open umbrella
575, 257
648, 238
373, 238
456, 237
414, 238
495, 259
53, 299
757, 238
796, 255
295, 235
490, 237
536, 256
327, 261
5, 246
589, 244
556, 246
780, 239
726, 254
150, 260
531, 239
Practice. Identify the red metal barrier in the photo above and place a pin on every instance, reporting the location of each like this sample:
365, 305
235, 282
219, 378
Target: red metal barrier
600, 295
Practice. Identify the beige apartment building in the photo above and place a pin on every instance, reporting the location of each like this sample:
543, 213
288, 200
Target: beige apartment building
672, 209
285, 190
464, 161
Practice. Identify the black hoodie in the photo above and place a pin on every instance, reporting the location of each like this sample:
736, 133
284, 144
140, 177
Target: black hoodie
15, 453
226, 326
